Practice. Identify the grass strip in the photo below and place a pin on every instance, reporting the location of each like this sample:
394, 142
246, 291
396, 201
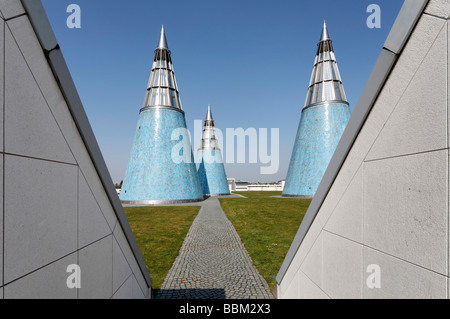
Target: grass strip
160, 232
267, 227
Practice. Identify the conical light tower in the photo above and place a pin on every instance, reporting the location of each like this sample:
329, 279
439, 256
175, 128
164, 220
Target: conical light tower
211, 170
323, 121
155, 174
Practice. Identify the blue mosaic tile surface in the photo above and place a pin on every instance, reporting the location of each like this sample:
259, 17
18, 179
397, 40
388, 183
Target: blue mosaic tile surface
211, 172
152, 175
321, 127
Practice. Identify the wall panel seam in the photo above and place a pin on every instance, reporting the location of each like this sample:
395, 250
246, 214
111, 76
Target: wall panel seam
314, 283
405, 155
123, 283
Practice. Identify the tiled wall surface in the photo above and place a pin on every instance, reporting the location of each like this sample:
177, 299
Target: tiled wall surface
389, 203
54, 211
211, 172
152, 172
321, 127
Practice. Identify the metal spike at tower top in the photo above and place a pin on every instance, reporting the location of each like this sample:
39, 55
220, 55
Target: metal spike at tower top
162, 40
324, 36
209, 114
326, 83
156, 174
324, 118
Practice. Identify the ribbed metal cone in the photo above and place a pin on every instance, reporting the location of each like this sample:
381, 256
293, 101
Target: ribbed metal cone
326, 83
162, 89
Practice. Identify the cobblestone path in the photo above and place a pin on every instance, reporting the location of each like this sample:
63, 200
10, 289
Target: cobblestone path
213, 263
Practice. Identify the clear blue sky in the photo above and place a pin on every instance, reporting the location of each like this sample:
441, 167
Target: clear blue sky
251, 60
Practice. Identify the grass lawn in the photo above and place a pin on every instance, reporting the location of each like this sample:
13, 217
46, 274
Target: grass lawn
267, 227
160, 232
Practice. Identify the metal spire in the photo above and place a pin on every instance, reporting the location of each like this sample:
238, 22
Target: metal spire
162, 45
326, 83
209, 114
324, 36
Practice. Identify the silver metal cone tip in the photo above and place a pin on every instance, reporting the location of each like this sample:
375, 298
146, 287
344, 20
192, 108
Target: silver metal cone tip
162, 40
324, 36
209, 114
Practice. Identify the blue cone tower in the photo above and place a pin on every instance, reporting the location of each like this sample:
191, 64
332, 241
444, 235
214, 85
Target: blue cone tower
211, 170
155, 174
323, 121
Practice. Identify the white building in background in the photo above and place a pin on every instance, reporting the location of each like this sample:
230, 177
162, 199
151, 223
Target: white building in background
267, 187
231, 184
242, 186
237, 186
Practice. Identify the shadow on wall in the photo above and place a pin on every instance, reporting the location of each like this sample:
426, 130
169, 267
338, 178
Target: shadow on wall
190, 294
